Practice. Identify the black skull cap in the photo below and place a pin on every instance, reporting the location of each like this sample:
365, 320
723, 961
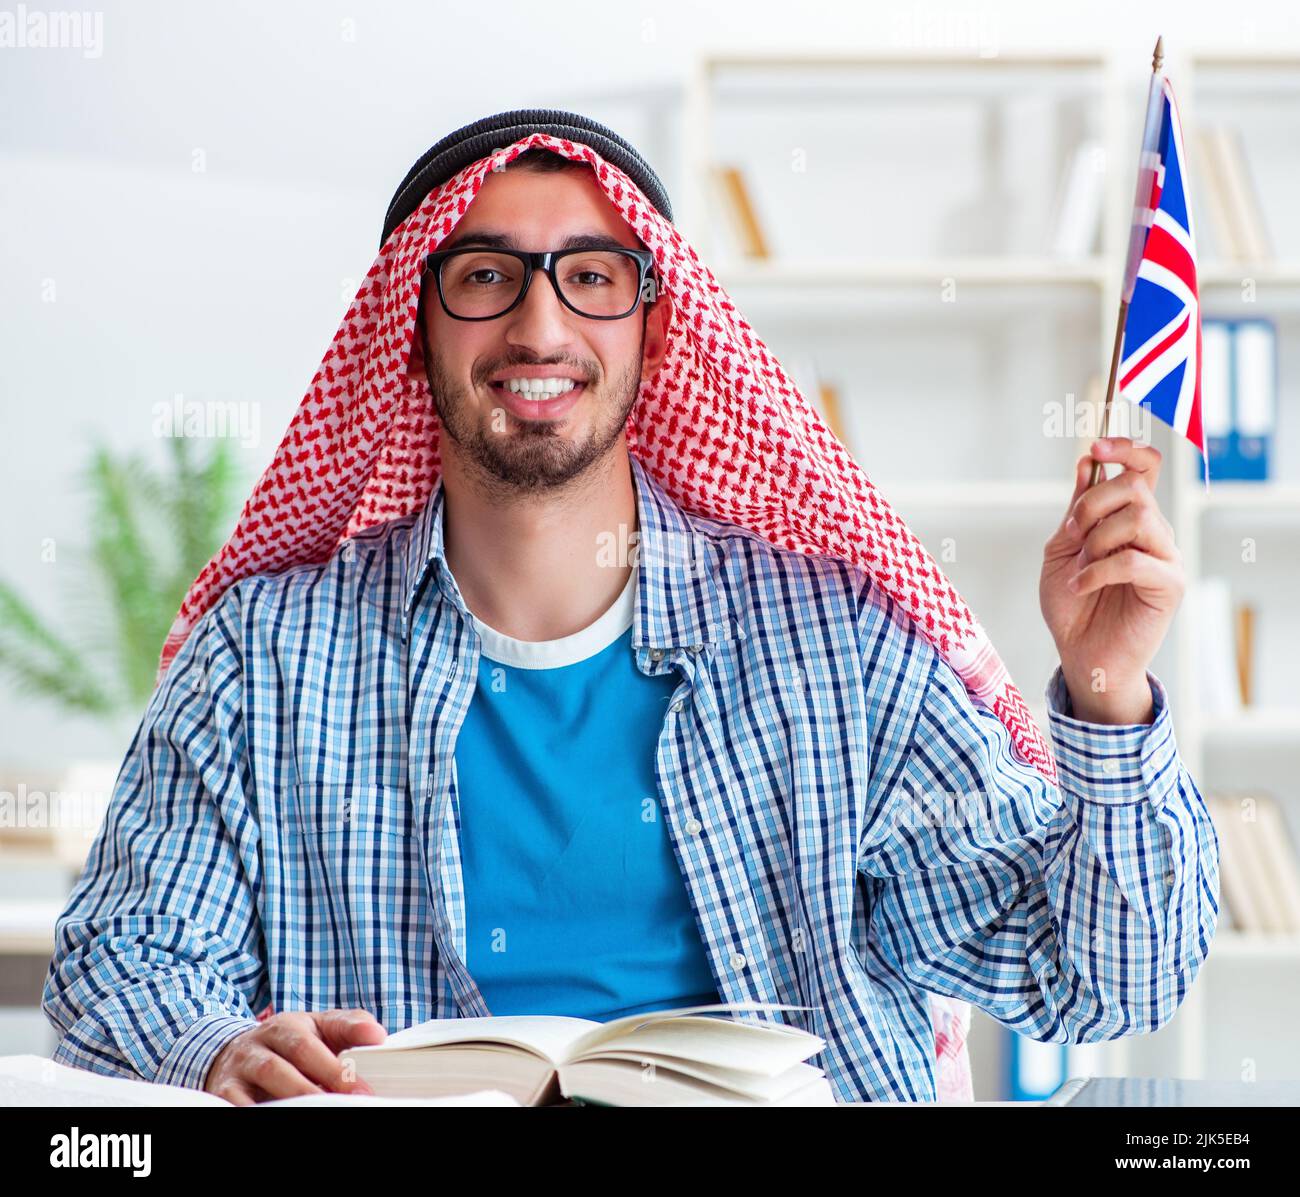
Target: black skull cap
474, 141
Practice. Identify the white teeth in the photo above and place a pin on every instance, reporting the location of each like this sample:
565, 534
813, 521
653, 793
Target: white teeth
540, 386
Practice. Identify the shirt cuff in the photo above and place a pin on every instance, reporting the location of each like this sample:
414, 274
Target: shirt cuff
189, 1058
1113, 763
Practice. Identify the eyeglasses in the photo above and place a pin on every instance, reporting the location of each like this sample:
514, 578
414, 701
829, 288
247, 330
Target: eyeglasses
600, 284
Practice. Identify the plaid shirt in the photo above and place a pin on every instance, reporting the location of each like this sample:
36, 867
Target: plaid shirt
854, 833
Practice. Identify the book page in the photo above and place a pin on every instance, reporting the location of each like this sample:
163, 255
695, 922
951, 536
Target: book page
651, 1071
608, 1031
548, 1036
717, 1043
484, 1097
36, 1081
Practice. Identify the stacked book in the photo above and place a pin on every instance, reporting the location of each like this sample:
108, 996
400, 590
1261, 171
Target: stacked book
1232, 200
1258, 872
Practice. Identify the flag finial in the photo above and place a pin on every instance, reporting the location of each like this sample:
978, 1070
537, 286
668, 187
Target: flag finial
1159, 55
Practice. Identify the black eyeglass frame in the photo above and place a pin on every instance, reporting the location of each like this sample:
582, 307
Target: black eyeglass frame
545, 260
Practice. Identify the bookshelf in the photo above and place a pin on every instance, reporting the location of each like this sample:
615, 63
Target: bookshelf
854, 164
1233, 1023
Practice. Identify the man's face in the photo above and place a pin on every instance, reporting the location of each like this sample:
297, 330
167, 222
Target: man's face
527, 444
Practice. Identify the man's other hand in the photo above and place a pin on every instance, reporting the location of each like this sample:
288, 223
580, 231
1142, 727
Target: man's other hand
1112, 579
291, 1054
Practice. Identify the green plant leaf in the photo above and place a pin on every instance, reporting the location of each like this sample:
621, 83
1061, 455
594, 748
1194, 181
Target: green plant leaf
151, 530
41, 662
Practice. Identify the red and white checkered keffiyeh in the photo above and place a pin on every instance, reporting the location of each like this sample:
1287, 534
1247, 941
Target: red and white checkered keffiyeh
720, 426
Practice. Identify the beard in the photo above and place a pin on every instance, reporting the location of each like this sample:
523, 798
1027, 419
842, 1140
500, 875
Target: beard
529, 456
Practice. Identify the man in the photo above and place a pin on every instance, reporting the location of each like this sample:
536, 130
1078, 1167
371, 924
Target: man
548, 742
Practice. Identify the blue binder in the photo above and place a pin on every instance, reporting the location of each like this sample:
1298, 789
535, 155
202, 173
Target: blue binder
1238, 398
1035, 1070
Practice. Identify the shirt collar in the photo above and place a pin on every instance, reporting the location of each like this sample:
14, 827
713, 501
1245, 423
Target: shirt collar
680, 601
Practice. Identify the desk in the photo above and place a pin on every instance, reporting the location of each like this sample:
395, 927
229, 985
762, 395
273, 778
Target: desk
930, 1104
1161, 1092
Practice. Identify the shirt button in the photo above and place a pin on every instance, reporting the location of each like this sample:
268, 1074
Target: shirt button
1110, 767
738, 961
656, 654
693, 826
695, 648
1169, 879
677, 706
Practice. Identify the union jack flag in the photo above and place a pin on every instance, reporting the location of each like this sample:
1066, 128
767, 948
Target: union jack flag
1160, 355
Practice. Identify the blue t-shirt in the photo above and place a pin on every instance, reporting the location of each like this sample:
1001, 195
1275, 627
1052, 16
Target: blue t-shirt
574, 900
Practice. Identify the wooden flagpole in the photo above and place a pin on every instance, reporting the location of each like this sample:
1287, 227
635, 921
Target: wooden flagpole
1130, 267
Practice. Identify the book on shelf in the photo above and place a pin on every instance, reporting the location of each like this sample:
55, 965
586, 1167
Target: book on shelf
1238, 900
828, 405
824, 395
1254, 399
739, 213
688, 1056
56, 814
1215, 194
1218, 666
1077, 209
1243, 196
1245, 646
1238, 398
1280, 864
37, 1081
1258, 868
1232, 199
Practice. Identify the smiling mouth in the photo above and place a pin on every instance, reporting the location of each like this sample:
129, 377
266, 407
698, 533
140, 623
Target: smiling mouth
540, 396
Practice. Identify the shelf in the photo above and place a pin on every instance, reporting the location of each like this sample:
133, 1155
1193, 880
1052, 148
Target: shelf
1255, 945
45, 856
1253, 61
1244, 496
1253, 724
1010, 59
1047, 272
1230, 274
978, 498
971, 73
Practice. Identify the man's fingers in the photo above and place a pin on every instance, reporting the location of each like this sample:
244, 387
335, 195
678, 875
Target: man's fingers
1104, 499
237, 1093
1082, 473
301, 1044
348, 1028
1136, 524
274, 1075
1140, 459
1125, 567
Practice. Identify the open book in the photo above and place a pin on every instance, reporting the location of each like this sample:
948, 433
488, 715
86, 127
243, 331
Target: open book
663, 1057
